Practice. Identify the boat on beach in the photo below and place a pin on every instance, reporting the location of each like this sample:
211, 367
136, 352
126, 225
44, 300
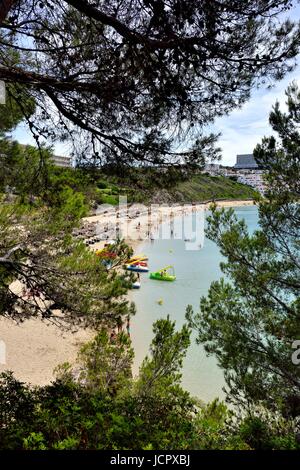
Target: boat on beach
137, 268
138, 258
136, 285
140, 263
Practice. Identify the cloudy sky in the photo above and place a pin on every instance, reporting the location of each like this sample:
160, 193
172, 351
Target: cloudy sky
241, 130
245, 127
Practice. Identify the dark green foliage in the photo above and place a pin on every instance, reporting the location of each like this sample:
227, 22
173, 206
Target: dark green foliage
150, 186
25, 171
251, 320
208, 188
263, 431
17, 106
41, 206
97, 405
66, 276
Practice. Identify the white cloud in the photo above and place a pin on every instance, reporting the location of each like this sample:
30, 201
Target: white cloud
245, 127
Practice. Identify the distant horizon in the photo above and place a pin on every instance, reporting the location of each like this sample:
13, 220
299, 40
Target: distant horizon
57, 155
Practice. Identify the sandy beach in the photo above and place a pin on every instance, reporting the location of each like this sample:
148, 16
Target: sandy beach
34, 348
137, 222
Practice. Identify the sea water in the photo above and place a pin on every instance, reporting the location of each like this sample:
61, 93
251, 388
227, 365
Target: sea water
195, 270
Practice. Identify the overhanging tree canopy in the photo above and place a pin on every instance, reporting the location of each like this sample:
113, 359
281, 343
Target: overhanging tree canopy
127, 80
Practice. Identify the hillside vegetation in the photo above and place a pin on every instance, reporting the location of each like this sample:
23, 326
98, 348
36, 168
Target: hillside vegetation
198, 188
204, 187
143, 185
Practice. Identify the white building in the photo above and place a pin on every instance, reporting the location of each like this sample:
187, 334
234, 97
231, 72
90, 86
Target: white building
253, 178
58, 160
213, 169
61, 161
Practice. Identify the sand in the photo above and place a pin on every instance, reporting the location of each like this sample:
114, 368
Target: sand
35, 348
138, 228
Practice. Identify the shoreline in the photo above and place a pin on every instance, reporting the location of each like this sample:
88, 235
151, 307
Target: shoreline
134, 236
35, 348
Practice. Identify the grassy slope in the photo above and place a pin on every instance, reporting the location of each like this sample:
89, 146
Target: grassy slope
204, 188
198, 188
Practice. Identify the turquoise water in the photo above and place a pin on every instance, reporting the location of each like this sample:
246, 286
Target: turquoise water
195, 270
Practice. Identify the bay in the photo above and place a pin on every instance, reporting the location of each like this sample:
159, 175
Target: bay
195, 270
